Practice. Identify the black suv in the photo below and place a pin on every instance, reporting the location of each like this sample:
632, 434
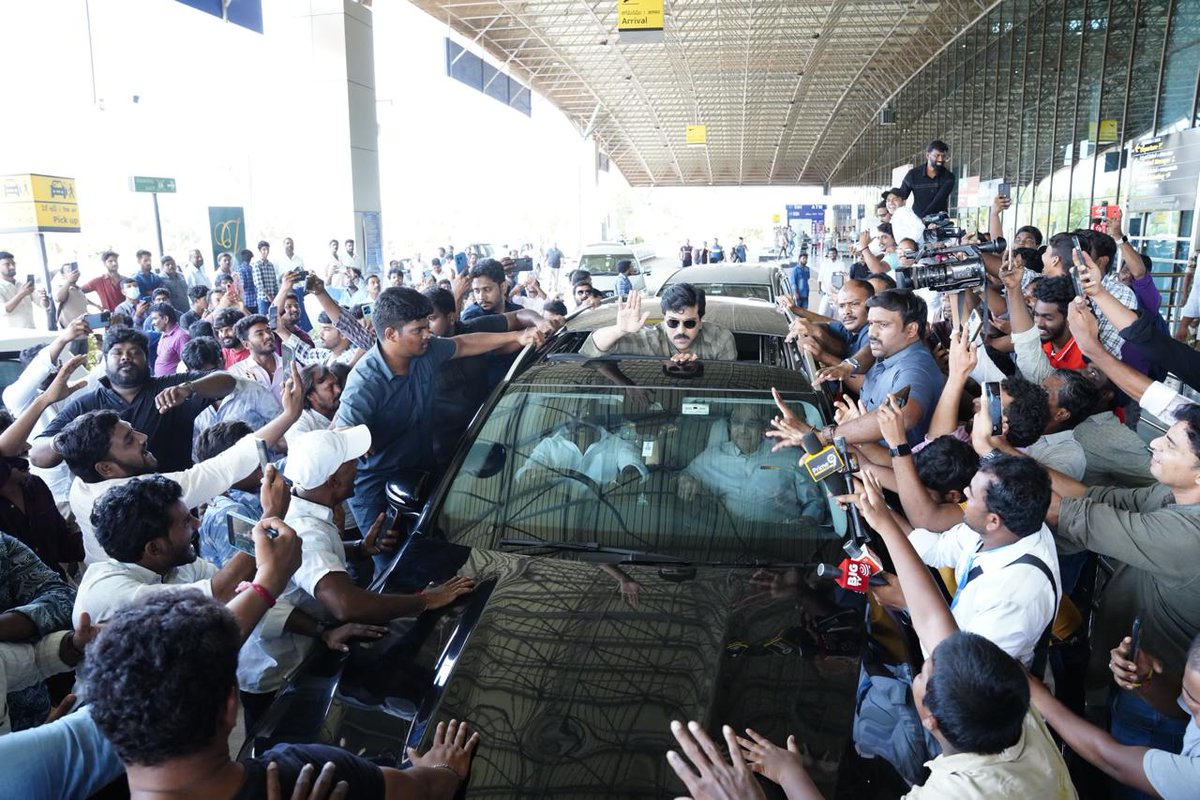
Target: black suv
639, 557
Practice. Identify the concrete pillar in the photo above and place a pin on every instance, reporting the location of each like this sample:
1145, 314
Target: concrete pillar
335, 104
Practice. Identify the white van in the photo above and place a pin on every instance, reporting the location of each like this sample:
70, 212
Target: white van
601, 259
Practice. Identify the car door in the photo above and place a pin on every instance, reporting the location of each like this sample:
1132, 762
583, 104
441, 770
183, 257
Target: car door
638, 278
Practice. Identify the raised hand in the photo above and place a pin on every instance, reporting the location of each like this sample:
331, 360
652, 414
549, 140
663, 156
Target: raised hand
1085, 328
531, 336
277, 557
838, 372
1090, 276
788, 428
60, 388
964, 356
292, 395
630, 317
274, 494
891, 422
847, 409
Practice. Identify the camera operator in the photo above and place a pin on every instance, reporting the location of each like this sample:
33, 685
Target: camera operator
930, 184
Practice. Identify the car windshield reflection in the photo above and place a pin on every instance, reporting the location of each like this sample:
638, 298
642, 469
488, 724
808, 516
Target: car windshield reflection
682, 472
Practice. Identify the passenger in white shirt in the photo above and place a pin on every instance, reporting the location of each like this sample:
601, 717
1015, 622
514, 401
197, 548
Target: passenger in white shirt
103, 451
289, 261
753, 482
586, 449
1004, 559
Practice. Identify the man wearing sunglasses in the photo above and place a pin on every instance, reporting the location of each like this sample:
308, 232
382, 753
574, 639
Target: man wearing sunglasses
682, 331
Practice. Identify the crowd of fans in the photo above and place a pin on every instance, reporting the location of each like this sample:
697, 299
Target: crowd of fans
999, 467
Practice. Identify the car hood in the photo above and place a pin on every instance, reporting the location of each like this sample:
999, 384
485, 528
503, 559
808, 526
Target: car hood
572, 671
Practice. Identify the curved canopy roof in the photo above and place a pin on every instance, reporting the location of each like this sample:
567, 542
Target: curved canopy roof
783, 86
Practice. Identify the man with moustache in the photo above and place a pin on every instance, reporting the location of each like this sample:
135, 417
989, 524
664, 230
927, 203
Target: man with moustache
830, 341
225, 325
163, 409
682, 335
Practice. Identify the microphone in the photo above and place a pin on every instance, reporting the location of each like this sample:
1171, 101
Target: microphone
827, 466
853, 574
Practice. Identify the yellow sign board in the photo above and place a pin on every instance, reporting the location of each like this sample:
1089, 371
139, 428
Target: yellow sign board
774, 218
697, 134
640, 15
38, 203
1107, 131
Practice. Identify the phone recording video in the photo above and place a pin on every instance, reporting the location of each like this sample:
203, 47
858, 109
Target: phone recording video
992, 393
241, 529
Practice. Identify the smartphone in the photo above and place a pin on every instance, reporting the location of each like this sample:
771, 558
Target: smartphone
992, 391
902, 396
240, 528
29, 278
1135, 638
1004, 190
368, 309
1077, 255
264, 457
72, 266
97, 321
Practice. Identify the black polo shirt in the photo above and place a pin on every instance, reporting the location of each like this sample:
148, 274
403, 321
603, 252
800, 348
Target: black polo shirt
170, 434
930, 195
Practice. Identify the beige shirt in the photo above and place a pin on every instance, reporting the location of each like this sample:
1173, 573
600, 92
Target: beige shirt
22, 315
1032, 768
713, 343
74, 306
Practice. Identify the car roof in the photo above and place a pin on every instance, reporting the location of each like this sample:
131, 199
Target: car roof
599, 248
579, 371
723, 273
738, 314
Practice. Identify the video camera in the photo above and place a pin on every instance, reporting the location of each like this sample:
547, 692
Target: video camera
943, 264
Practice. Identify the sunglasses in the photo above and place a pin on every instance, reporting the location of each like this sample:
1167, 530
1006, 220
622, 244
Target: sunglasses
687, 323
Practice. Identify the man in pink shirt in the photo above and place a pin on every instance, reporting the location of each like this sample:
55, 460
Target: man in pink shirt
165, 320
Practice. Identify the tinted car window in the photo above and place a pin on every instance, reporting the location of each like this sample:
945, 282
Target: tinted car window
681, 472
751, 291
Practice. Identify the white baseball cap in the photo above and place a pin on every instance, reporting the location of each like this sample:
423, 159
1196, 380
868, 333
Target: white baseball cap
314, 456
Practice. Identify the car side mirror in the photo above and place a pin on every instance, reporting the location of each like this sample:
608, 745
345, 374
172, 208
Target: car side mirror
484, 460
407, 490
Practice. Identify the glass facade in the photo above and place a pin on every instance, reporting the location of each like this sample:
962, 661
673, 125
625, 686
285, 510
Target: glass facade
1049, 96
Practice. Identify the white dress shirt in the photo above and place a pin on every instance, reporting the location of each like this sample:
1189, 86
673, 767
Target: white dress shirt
23, 665
310, 420
1011, 606
250, 369
602, 461
1161, 401
200, 484
762, 486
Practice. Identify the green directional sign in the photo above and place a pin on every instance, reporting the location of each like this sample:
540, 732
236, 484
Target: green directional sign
142, 183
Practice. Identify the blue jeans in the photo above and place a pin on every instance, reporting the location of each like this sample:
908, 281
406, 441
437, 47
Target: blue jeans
1136, 722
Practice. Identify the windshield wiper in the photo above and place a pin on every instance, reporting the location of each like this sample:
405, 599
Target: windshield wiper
594, 547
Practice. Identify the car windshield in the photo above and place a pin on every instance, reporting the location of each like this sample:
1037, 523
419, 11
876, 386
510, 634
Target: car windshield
753, 291
678, 472
604, 264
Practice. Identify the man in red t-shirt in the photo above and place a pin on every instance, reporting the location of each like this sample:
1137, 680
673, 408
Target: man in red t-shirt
107, 286
1053, 296
232, 347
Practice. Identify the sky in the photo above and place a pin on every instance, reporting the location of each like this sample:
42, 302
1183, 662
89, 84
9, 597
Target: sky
152, 87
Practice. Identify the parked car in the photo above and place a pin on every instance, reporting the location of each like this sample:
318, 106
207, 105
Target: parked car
607, 602
756, 281
601, 259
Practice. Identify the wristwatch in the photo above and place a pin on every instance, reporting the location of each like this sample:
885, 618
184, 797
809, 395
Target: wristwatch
1124, 240
903, 450
854, 363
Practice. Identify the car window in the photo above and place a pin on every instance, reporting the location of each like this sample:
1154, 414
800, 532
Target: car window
753, 291
605, 264
685, 474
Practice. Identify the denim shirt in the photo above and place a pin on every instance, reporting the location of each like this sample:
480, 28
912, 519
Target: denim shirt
214, 530
913, 366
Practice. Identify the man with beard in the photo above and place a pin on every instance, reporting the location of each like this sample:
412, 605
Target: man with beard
322, 395
488, 290
225, 325
682, 335
104, 451
162, 409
